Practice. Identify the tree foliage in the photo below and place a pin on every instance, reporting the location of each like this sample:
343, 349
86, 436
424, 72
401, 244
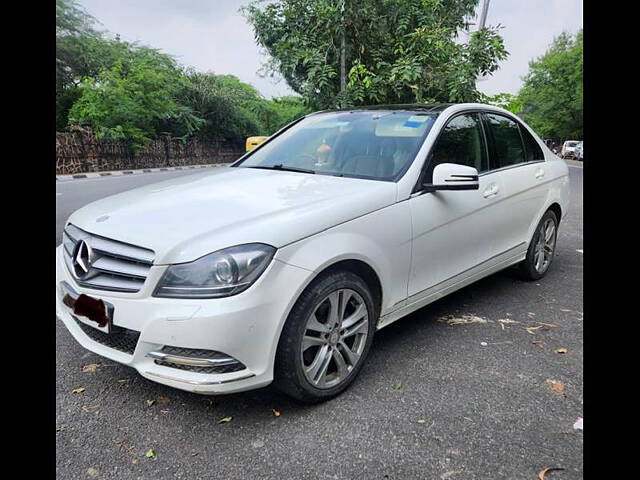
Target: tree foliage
505, 100
551, 94
134, 92
397, 51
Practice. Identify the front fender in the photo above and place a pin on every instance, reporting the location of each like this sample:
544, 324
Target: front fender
381, 239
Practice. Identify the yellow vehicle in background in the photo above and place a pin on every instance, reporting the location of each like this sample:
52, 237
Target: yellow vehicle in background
253, 142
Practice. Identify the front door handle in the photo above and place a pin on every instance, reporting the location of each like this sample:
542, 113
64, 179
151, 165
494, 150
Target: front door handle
539, 173
491, 190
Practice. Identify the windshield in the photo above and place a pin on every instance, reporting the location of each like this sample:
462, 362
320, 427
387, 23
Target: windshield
378, 145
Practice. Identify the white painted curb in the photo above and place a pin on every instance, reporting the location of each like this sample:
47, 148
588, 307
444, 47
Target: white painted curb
118, 173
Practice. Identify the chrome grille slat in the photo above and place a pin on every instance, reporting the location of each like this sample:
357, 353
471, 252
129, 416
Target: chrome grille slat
68, 243
74, 233
115, 266
121, 267
124, 250
113, 282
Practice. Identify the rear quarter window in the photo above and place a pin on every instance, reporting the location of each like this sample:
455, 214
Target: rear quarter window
532, 149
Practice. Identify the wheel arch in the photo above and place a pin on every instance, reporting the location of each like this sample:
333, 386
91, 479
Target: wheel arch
363, 270
555, 208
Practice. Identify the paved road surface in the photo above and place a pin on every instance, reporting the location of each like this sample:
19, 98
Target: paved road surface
465, 410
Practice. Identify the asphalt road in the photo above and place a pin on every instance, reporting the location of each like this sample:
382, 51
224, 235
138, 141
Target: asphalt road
474, 403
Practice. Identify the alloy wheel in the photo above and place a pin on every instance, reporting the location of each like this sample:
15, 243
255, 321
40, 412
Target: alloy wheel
545, 246
335, 337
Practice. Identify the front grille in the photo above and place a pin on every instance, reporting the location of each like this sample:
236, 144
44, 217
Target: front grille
120, 338
112, 265
233, 365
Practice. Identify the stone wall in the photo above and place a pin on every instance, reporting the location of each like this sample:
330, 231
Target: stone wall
80, 152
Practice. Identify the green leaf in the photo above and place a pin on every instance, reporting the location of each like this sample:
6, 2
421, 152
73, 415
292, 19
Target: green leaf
150, 453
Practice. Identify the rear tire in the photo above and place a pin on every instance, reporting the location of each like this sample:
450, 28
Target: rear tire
330, 330
541, 249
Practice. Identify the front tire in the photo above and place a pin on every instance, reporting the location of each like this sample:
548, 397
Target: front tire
541, 249
326, 337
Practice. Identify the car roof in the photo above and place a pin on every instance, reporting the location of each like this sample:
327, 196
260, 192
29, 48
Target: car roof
433, 107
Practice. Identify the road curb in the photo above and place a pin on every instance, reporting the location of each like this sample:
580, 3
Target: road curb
117, 173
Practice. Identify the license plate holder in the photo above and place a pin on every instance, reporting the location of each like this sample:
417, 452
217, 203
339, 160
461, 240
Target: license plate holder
91, 311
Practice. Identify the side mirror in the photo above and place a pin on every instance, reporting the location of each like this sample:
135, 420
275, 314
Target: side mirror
452, 176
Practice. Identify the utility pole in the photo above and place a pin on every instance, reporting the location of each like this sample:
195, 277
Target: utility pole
483, 14
481, 23
343, 54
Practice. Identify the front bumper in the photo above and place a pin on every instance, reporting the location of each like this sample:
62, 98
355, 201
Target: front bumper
245, 326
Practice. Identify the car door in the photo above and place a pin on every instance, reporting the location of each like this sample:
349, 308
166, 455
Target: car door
524, 178
453, 231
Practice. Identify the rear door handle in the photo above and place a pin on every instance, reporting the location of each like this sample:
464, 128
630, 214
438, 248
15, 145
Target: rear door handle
539, 173
491, 190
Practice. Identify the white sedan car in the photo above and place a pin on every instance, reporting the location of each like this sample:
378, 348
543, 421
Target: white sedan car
282, 267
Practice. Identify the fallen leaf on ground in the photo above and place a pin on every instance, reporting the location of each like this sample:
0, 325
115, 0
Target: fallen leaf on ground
162, 400
556, 386
532, 330
150, 453
150, 402
544, 471
397, 386
195, 454
208, 402
505, 321
548, 325
225, 420
463, 320
539, 343
276, 413
422, 420
561, 350
90, 368
123, 380
531, 314
78, 390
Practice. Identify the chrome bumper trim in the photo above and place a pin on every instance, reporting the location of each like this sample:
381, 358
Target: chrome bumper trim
193, 362
198, 382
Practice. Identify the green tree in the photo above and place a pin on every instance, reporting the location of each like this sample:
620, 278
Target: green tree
395, 51
135, 100
551, 94
505, 100
234, 110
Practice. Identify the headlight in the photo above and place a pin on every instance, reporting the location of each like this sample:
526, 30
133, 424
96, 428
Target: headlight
219, 274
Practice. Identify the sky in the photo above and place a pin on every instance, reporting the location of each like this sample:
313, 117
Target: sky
211, 35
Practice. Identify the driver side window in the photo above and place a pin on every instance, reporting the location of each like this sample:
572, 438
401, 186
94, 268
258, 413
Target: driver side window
461, 142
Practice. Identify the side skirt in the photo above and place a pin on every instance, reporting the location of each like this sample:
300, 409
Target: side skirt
430, 295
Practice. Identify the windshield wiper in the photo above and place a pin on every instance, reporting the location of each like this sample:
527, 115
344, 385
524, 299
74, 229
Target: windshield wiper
282, 167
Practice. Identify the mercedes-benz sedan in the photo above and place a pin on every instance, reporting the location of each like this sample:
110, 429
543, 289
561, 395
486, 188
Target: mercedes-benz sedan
282, 266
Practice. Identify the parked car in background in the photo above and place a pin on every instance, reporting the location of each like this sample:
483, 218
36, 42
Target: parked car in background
569, 148
253, 142
579, 151
283, 266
